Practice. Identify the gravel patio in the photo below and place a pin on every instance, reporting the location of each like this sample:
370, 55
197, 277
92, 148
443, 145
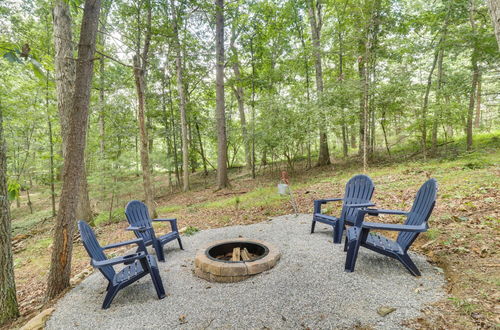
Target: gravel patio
308, 288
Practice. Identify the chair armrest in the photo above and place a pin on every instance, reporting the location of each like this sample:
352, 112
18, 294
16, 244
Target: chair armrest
165, 220
386, 226
324, 201
359, 205
118, 260
319, 202
173, 223
135, 228
138, 241
376, 212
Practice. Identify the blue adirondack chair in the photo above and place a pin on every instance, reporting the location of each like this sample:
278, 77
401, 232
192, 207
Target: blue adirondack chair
358, 192
137, 265
142, 226
416, 223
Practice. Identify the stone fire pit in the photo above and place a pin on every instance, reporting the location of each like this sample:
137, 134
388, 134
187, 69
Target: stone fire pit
234, 260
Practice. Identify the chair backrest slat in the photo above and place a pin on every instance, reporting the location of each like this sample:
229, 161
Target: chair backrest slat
359, 189
94, 249
420, 211
138, 215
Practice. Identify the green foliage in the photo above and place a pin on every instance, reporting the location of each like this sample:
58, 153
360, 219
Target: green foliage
104, 218
191, 230
13, 190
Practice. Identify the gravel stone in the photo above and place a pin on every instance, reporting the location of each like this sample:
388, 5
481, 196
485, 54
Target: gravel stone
307, 288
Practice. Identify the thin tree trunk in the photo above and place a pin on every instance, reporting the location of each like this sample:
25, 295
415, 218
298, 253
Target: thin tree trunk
202, 152
305, 58
382, 124
182, 99
253, 107
353, 137
140, 67
475, 77
361, 75
315, 19
222, 178
174, 133
477, 118
238, 92
101, 107
60, 266
51, 140
426, 103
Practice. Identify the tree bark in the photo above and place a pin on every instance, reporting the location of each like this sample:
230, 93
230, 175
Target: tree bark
84, 210
8, 300
140, 66
495, 17
60, 267
222, 178
65, 80
315, 19
182, 100
50, 133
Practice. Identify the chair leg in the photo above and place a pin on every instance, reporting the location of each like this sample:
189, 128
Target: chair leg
353, 249
345, 244
352, 255
113, 290
338, 230
409, 264
155, 277
180, 243
313, 224
159, 251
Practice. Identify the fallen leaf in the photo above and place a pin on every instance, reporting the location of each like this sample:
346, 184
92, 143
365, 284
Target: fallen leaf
384, 310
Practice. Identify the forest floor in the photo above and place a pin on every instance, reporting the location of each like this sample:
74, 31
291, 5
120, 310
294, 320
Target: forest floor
463, 240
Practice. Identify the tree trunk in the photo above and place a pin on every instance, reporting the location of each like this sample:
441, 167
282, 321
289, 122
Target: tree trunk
438, 111
84, 210
426, 102
101, 107
222, 179
238, 91
315, 19
361, 75
202, 152
475, 76
60, 266
65, 80
495, 17
8, 300
253, 107
182, 100
477, 118
140, 66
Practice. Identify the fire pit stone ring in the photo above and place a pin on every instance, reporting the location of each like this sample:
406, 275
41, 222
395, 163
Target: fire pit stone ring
211, 262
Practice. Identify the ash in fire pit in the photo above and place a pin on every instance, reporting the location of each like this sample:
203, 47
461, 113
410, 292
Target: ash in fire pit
235, 260
237, 251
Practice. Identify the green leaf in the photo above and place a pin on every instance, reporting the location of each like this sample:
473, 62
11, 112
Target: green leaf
37, 69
